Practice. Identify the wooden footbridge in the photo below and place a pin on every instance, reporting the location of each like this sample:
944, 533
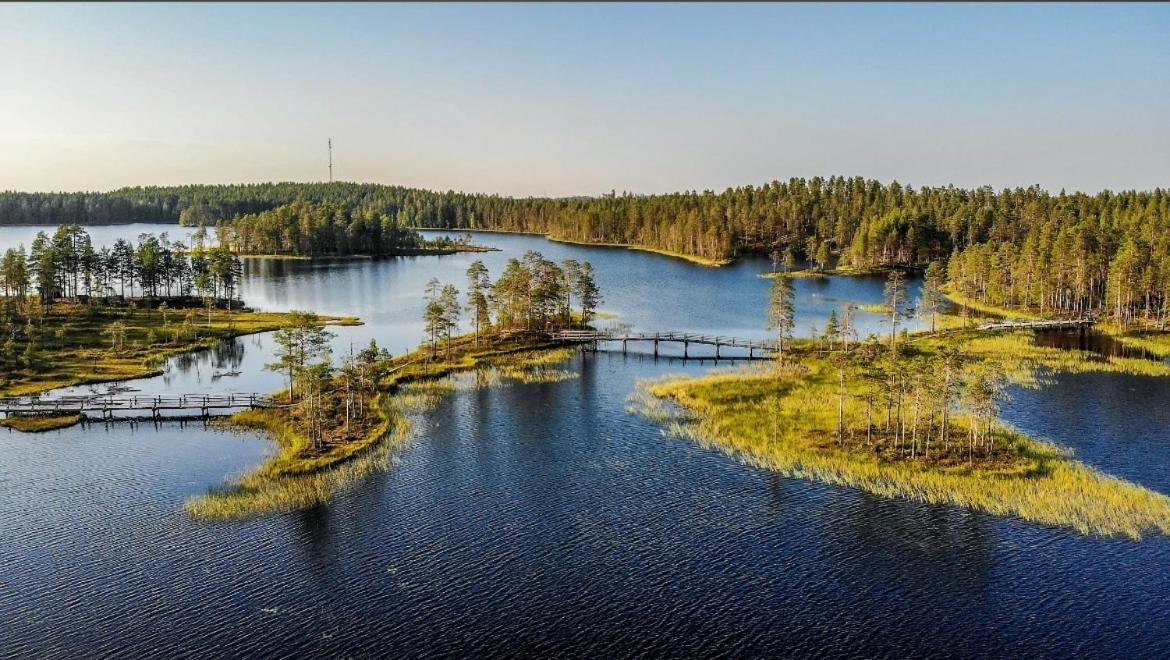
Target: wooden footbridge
202, 405
752, 346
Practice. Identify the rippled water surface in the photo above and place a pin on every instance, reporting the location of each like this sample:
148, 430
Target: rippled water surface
544, 520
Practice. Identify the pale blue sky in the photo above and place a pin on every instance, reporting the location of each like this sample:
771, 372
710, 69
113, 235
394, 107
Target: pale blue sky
580, 99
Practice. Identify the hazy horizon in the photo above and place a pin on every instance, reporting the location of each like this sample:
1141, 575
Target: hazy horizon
578, 100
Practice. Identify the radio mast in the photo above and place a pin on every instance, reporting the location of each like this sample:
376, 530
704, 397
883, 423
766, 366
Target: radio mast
330, 160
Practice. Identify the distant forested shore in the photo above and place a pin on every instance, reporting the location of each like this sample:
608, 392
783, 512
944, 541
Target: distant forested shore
1068, 253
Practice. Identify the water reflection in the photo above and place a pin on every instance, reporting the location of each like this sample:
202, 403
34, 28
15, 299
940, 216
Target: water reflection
541, 519
1100, 345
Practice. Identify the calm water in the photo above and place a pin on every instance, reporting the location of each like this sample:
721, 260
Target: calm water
545, 520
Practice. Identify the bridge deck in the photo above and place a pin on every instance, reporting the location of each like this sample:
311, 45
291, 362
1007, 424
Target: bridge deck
684, 338
204, 403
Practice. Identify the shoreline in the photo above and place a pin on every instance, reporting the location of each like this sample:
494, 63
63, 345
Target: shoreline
97, 364
420, 252
298, 477
695, 259
785, 420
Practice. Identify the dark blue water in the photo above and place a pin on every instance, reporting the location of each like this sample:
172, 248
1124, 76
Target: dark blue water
545, 520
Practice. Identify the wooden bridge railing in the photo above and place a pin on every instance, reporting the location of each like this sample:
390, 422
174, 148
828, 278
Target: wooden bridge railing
684, 338
108, 403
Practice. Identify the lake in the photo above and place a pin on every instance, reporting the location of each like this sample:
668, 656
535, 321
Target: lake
543, 519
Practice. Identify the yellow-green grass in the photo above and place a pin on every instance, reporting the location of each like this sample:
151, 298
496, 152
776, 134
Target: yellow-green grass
1016, 354
693, 258
786, 422
840, 271
696, 259
1157, 343
282, 257
40, 423
992, 310
797, 274
84, 353
874, 308
299, 476
1151, 339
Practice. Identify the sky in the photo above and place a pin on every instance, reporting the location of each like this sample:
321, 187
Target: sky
579, 99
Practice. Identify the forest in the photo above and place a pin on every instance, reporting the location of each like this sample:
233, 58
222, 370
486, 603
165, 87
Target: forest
1066, 253
327, 229
66, 265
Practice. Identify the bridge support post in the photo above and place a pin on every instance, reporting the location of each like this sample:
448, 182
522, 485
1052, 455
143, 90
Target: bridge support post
624, 346
686, 349
716, 350
655, 345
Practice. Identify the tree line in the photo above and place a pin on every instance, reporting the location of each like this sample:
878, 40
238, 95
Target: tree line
66, 265
1071, 253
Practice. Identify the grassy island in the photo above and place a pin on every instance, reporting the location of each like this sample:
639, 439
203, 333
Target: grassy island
786, 420
911, 416
40, 423
306, 472
74, 343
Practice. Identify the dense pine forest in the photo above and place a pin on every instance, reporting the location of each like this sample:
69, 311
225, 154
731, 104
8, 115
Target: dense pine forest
66, 265
1026, 248
309, 229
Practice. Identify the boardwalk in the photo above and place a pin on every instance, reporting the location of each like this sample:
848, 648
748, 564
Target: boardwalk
752, 346
107, 404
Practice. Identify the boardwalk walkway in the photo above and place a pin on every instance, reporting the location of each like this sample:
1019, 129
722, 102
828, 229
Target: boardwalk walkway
752, 346
156, 405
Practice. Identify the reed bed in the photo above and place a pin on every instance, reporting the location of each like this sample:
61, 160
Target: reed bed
735, 413
786, 421
299, 476
39, 423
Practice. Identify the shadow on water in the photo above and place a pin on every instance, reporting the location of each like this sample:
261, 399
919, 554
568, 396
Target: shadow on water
1100, 345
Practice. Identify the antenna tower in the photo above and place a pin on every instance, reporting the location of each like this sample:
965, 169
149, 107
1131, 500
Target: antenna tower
330, 160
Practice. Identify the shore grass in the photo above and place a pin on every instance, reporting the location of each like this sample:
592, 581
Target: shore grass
827, 272
405, 252
690, 258
40, 423
299, 476
1005, 313
1015, 353
796, 274
74, 348
784, 422
693, 258
1157, 343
